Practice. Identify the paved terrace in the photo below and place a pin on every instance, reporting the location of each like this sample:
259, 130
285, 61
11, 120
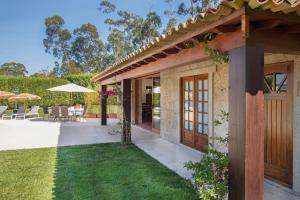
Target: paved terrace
36, 134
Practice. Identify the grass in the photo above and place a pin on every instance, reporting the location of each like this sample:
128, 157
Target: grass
102, 171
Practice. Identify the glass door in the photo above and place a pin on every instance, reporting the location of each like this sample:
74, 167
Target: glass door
156, 104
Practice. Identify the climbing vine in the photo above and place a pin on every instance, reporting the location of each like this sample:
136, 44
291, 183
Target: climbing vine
216, 55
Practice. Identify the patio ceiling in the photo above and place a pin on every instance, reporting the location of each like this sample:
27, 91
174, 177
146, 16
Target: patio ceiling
265, 15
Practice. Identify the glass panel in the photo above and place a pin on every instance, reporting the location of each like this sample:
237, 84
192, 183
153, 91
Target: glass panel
191, 95
205, 118
199, 85
191, 85
205, 107
280, 77
156, 103
186, 115
200, 96
191, 116
200, 117
186, 95
205, 96
205, 129
284, 87
191, 126
186, 125
266, 87
186, 105
269, 78
186, 86
205, 84
200, 128
191, 106
200, 106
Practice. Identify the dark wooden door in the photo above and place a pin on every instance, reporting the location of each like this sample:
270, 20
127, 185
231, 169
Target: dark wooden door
195, 111
278, 122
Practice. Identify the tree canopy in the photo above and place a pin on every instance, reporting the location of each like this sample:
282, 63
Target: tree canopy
13, 69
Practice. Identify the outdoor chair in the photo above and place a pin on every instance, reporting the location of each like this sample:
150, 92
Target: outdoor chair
20, 114
2, 110
64, 112
34, 111
55, 112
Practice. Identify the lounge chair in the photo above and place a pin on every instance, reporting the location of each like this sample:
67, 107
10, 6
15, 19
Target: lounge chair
2, 110
34, 111
20, 112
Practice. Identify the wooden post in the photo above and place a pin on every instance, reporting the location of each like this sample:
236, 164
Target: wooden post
126, 103
103, 106
246, 123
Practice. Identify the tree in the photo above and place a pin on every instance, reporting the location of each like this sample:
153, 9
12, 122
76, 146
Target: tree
87, 48
57, 40
128, 31
13, 69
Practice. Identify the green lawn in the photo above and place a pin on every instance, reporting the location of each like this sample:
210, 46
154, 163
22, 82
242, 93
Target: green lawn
104, 171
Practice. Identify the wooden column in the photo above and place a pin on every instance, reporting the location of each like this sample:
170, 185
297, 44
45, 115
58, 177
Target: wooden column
246, 123
126, 103
103, 106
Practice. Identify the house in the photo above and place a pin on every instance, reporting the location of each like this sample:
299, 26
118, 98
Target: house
173, 87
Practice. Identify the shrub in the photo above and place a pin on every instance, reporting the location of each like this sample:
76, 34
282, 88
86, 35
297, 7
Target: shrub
210, 175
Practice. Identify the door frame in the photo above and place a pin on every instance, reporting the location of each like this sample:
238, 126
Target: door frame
289, 70
194, 133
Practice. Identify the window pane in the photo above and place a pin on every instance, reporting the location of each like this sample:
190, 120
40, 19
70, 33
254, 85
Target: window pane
205, 118
191, 116
199, 106
191, 95
205, 107
200, 128
191, 126
186, 125
269, 79
186, 105
205, 96
199, 85
186, 86
205, 129
186, 95
200, 96
191, 105
186, 115
284, 87
200, 117
191, 85
205, 84
279, 78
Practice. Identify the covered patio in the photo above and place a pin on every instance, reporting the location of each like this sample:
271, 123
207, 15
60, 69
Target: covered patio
260, 80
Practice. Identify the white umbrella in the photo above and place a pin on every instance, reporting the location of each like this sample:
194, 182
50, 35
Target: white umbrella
71, 87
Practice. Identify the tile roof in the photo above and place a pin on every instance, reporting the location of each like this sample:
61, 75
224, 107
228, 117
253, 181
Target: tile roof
225, 8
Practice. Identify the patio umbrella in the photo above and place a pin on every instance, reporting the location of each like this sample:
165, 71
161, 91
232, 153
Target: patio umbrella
6, 95
24, 97
71, 87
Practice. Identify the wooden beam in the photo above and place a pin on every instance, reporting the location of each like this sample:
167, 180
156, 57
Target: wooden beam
245, 21
275, 41
222, 42
267, 24
126, 105
246, 123
172, 50
292, 29
103, 106
233, 17
225, 29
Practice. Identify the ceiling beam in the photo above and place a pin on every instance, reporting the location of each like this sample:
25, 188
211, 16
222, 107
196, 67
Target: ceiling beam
222, 42
267, 24
292, 29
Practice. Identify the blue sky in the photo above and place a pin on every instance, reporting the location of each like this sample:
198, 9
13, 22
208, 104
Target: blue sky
22, 25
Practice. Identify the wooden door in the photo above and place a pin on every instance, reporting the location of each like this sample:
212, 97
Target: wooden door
278, 122
194, 106
188, 111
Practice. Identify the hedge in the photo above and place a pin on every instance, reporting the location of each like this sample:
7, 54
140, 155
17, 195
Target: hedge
39, 86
